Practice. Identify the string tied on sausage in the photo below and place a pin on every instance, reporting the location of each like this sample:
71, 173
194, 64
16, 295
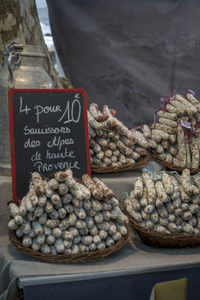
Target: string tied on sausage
191, 92
188, 131
156, 111
164, 101
138, 128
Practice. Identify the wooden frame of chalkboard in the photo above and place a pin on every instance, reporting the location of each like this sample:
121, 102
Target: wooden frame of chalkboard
48, 132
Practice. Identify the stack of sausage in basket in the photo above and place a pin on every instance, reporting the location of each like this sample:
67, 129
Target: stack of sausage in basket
176, 131
112, 144
166, 202
64, 216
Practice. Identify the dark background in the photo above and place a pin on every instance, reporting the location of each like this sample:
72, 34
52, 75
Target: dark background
129, 53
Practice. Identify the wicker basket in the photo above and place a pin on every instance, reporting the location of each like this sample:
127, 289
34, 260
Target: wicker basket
139, 164
165, 240
171, 166
63, 258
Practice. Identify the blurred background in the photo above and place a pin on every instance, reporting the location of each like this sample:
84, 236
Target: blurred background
127, 54
46, 30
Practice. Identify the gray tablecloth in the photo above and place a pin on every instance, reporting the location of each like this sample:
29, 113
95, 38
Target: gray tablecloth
134, 256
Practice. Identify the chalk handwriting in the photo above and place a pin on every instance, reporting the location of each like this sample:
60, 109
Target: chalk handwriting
58, 155
45, 167
45, 110
31, 143
54, 153
36, 156
59, 142
72, 110
48, 130
69, 115
21, 109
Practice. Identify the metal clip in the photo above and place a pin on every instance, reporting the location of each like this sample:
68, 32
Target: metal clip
13, 46
14, 60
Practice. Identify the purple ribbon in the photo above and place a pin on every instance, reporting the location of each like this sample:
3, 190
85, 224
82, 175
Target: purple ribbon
191, 92
186, 124
188, 130
164, 99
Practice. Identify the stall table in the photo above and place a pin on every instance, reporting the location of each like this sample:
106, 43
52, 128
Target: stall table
130, 273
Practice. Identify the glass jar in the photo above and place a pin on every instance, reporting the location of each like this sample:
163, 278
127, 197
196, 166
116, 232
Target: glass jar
23, 68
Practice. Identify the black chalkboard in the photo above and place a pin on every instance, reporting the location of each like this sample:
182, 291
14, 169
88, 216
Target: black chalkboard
49, 132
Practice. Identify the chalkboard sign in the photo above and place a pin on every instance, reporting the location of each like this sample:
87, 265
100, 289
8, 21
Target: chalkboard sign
49, 132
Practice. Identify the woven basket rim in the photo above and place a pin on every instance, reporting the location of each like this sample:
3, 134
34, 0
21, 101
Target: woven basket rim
63, 258
171, 166
189, 240
140, 163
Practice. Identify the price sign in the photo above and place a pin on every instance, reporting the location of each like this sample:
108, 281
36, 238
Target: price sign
49, 132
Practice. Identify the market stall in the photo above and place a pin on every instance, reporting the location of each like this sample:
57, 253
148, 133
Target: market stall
95, 206
132, 271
